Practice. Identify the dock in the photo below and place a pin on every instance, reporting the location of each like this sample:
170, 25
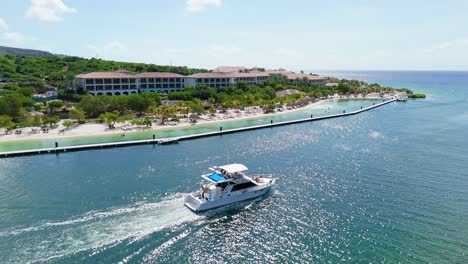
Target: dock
164, 141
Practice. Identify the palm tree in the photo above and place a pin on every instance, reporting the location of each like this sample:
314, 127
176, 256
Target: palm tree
184, 108
164, 113
157, 112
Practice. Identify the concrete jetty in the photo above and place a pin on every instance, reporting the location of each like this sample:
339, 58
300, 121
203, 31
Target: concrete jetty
163, 141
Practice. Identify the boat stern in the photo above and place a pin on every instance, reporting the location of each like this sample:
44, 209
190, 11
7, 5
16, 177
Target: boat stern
192, 202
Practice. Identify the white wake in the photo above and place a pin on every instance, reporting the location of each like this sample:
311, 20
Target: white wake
95, 231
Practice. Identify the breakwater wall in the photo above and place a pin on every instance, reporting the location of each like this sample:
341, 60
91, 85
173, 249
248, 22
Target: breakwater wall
154, 140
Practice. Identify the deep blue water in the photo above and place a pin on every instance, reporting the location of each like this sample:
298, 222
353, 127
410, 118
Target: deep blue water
389, 185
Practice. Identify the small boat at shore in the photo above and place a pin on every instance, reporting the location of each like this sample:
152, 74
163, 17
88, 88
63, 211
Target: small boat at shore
228, 184
167, 141
401, 97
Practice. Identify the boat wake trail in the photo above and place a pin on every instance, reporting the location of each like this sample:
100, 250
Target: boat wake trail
94, 231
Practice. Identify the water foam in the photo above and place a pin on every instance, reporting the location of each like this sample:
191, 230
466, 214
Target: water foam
96, 231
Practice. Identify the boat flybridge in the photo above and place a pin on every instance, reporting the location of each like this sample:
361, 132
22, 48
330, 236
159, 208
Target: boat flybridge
226, 185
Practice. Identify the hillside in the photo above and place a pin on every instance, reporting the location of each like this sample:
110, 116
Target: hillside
24, 52
59, 71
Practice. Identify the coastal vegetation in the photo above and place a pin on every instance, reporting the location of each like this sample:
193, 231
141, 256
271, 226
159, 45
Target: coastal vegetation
27, 75
59, 71
411, 94
417, 96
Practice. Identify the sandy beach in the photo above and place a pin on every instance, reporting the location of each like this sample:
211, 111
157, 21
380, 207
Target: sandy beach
124, 129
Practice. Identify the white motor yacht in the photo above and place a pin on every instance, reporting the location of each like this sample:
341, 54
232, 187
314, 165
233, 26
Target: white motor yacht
226, 185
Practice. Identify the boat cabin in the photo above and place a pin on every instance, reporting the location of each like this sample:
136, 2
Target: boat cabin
226, 180
226, 185
225, 173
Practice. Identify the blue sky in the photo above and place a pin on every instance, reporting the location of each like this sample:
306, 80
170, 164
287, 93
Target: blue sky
295, 34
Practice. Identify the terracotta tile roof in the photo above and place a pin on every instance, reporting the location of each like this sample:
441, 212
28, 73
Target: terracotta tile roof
294, 76
252, 74
229, 74
214, 74
105, 75
211, 75
126, 74
229, 69
159, 75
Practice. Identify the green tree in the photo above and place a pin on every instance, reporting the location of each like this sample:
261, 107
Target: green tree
136, 122
26, 91
93, 106
50, 120
196, 106
11, 105
139, 103
343, 88
28, 102
11, 86
79, 115
54, 104
270, 106
36, 121
110, 118
88, 105
125, 118
68, 123
242, 85
6, 122
147, 122
26, 119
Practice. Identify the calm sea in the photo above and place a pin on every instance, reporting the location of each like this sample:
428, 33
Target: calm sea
389, 185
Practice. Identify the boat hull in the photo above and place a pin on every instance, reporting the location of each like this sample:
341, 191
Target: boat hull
197, 205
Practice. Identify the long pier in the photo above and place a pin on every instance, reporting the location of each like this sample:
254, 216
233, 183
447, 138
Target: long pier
154, 140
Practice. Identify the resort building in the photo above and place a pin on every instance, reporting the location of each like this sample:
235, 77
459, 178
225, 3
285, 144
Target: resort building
160, 82
226, 79
125, 83
310, 79
109, 83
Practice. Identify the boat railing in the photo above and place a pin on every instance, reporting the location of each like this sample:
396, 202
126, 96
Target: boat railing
263, 175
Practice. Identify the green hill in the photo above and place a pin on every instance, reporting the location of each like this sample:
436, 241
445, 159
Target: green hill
24, 52
59, 71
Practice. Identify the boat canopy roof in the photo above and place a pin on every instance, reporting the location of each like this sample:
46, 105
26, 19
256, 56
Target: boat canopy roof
233, 168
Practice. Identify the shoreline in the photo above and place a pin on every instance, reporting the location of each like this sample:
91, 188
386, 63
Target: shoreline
101, 130
95, 129
111, 144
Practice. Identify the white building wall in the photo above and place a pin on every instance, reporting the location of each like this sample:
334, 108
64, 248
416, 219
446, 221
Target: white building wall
190, 82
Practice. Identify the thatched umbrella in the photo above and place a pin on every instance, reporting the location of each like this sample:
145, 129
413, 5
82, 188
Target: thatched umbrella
207, 105
193, 118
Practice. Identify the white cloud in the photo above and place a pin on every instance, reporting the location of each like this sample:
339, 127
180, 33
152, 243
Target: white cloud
198, 5
15, 37
109, 50
3, 24
462, 42
11, 36
48, 10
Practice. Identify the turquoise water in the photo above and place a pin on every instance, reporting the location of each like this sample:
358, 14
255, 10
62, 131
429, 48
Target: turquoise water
389, 185
327, 108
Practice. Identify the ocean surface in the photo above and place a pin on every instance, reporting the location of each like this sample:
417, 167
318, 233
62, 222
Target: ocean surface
386, 186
